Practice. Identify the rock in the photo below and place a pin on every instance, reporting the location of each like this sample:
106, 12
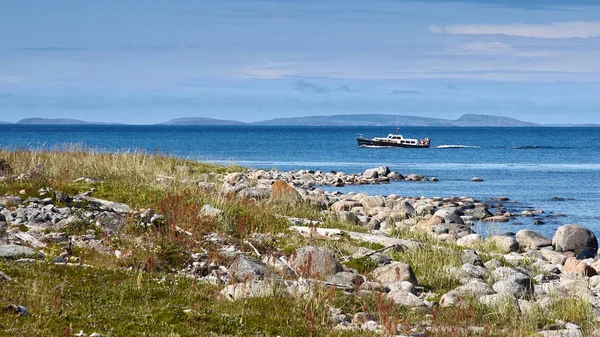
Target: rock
449, 300
316, 262
238, 291
14, 251
257, 193
474, 288
470, 240
111, 222
371, 174
481, 213
346, 279
406, 299
529, 239
572, 265
404, 286
574, 237
18, 310
470, 256
499, 301
474, 271
362, 318
395, 272
554, 257
246, 268
344, 205
561, 333
499, 218
210, 211
506, 244
477, 179
283, 191
518, 287
449, 216
373, 201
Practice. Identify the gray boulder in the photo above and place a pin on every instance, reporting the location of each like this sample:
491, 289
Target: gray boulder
519, 287
406, 299
481, 213
475, 288
395, 272
15, 251
574, 237
257, 193
506, 244
246, 268
450, 216
373, 201
312, 261
529, 239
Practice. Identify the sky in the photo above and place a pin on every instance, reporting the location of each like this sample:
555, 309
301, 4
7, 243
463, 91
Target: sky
145, 62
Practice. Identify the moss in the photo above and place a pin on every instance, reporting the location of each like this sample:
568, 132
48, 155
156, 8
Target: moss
363, 265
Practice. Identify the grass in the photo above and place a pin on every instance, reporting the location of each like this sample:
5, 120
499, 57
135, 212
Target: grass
139, 295
64, 300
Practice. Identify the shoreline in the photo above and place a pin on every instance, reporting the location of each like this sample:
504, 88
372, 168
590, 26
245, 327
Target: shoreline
267, 235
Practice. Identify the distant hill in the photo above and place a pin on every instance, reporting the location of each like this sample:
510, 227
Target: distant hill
355, 120
487, 120
51, 121
200, 121
390, 120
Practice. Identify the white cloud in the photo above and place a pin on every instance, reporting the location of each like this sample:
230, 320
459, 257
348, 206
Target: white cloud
483, 48
555, 30
269, 70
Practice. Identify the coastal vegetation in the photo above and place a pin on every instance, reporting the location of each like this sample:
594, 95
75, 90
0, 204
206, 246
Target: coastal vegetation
146, 244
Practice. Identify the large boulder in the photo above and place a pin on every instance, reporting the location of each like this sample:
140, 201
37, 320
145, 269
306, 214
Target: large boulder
481, 213
506, 244
256, 193
284, 192
572, 265
450, 216
377, 172
315, 262
246, 268
529, 239
15, 251
344, 205
406, 299
373, 201
574, 237
395, 272
238, 291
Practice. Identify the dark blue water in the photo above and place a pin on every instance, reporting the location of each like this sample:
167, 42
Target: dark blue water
528, 165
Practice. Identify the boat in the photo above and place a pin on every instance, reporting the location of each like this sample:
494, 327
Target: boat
393, 140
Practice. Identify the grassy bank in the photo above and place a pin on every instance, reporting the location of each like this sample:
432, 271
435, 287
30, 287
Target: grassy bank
140, 294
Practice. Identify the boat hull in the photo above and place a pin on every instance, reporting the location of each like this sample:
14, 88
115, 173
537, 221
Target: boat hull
363, 142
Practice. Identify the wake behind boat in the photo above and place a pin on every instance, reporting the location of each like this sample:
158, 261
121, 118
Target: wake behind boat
393, 140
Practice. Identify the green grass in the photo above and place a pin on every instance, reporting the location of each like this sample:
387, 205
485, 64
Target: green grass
122, 303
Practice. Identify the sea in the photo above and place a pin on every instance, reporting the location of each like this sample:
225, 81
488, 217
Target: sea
554, 169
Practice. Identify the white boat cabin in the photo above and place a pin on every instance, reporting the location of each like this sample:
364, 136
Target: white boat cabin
397, 139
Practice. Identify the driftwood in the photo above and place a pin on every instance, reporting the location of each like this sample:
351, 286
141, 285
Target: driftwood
335, 233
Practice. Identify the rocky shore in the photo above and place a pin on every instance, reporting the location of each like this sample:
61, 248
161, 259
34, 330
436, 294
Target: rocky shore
522, 272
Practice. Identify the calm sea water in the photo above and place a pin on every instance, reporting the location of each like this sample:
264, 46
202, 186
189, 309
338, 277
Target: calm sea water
528, 165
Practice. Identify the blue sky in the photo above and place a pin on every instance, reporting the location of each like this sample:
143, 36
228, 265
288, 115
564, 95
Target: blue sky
149, 61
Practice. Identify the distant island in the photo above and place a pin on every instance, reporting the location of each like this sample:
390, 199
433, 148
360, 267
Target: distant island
58, 121
363, 120
51, 121
200, 121
467, 120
